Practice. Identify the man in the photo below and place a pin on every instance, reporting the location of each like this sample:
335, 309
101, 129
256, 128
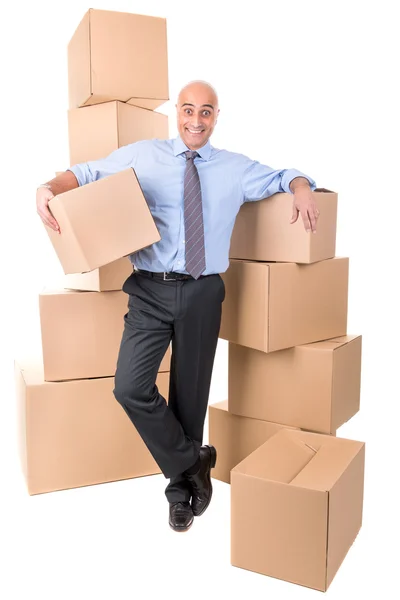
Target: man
194, 192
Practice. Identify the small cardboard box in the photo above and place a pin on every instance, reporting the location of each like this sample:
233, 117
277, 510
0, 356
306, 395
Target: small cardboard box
81, 333
314, 386
74, 433
271, 306
263, 231
108, 278
118, 56
121, 124
234, 437
101, 222
296, 506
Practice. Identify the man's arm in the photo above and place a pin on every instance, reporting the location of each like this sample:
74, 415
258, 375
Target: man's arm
260, 181
79, 175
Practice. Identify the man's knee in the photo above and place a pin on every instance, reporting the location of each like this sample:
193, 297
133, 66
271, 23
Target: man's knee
131, 390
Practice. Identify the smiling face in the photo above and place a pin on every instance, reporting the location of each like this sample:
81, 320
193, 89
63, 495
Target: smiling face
197, 112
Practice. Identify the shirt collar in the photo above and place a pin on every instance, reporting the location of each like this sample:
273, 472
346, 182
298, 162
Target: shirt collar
180, 147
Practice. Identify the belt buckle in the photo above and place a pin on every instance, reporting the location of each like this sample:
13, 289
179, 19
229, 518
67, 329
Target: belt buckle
168, 278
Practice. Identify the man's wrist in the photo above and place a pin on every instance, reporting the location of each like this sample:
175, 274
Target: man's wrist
299, 182
44, 185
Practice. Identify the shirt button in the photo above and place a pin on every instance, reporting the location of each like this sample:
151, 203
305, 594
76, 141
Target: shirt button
183, 241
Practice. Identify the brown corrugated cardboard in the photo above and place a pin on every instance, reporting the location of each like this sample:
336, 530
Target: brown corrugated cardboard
96, 231
118, 56
271, 306
104, 279
263, 231
234, 437
81, 333
314, 386
296, 506
74, 433
121, 124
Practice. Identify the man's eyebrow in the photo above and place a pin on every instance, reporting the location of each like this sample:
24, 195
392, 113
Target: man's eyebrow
189, 104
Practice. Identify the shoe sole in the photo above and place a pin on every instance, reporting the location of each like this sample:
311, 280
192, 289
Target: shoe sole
213, 460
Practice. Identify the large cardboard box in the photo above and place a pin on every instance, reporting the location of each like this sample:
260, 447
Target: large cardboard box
108, 278
81, 333
234, 437
314, 386
118, 56
75, 433
263, 231
270, 306
121, 124
296, 506
101, 222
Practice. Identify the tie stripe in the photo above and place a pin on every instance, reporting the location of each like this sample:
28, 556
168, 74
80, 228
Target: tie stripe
193, 217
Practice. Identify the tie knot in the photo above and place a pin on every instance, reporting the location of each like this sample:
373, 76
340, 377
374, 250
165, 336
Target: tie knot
191, 154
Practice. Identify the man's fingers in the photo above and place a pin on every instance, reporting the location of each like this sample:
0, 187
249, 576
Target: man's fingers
313, 221
306, 220
48, 219
295, 214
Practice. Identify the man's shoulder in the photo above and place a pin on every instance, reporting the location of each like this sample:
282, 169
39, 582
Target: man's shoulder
155, 143
235, 158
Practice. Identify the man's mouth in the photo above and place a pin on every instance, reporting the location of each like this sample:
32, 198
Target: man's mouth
194, 131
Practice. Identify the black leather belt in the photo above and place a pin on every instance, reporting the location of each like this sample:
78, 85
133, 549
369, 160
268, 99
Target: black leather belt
171, 276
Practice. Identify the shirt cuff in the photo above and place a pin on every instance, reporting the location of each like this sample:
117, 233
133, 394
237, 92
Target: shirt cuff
79, 174
291, 174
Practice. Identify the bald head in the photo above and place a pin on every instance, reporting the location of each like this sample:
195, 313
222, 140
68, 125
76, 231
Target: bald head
197, 112
199, 87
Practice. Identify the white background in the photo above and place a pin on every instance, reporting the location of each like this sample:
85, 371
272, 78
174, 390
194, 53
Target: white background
310, 85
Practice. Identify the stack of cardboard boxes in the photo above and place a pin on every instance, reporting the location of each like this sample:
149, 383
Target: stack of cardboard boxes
294, 378
73, 431
294, 372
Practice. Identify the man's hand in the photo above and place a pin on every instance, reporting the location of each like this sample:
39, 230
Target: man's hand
43, 197
304, 203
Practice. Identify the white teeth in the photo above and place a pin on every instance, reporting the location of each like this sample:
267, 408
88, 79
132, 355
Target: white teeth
191, 131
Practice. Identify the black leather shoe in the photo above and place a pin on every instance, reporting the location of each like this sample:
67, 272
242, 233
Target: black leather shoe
180, 516
201, 481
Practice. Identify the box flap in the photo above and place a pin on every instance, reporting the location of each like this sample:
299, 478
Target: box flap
331, 344
280, 459
299, 458
332, 458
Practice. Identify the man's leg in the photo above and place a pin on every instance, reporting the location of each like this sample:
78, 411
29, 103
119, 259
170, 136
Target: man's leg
147, 333
194, 343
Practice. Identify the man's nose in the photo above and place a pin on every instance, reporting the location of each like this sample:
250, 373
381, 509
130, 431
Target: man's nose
196, 120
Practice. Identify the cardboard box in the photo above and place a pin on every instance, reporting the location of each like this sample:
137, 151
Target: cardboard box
104, 279
121, 124
118, 56
313, 386
270, 306
74, 433
262, 230
101, 222
81, 333
296, 506
234, 437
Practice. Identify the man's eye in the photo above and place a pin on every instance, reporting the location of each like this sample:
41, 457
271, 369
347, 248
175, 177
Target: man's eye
187, 110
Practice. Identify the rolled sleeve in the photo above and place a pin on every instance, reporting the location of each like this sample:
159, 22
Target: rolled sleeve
289, 175
118, 160
260, 181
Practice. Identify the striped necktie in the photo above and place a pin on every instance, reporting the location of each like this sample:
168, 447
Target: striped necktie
193, 216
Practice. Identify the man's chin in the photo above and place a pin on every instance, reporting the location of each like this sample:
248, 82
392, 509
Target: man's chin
194, 141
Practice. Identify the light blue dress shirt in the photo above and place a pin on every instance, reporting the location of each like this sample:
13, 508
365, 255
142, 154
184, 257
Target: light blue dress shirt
227, 180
